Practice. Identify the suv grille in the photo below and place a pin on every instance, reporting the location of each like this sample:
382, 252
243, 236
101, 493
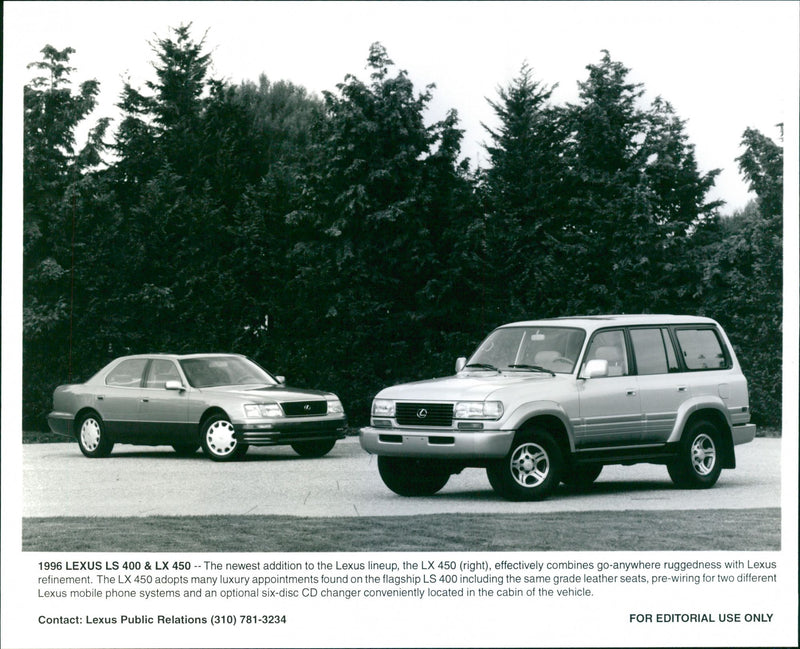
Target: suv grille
304, 408
425, 414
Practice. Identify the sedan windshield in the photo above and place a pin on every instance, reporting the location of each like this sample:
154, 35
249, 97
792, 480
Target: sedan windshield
212, 371
530, 349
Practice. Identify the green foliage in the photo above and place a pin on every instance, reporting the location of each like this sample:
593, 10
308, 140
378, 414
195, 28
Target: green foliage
743, 282
342, 241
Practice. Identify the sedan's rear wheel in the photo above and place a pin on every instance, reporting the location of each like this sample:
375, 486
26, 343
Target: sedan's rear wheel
219, 441
314, 448
92, 438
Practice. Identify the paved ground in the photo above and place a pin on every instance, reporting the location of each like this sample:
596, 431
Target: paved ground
144, 481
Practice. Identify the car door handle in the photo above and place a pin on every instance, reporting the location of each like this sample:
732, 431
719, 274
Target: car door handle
100, 397
145, 400
631, 393
682, 388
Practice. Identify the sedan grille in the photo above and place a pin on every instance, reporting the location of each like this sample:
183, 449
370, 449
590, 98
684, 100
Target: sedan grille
304, 408
425, 414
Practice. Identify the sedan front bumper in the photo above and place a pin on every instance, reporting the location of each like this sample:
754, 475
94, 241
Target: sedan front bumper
287, 432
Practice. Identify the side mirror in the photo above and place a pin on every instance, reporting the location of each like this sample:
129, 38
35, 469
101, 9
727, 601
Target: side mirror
595, 368
174, 385
280, 379
460, 363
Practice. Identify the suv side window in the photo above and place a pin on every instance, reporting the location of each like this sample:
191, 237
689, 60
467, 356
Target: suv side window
610, 346
701, 349
653, 350
128, 374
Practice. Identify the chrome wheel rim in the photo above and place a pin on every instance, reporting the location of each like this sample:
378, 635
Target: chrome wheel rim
530, 465
704, 454
220, 439
90, 434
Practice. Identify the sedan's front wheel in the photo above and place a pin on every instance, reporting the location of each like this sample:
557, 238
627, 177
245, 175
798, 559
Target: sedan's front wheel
218, 440
92, 438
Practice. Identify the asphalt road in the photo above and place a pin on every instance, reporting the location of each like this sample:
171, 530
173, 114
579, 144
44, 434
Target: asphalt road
146, 481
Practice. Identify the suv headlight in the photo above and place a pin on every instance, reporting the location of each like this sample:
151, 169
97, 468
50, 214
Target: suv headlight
258, 410
335, 407
478, 410
383, 408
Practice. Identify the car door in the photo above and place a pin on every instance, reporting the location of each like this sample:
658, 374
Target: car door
163, 413
119, 398
661, 386
610, 406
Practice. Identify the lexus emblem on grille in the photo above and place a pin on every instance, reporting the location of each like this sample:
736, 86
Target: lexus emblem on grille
307, 407
422, 413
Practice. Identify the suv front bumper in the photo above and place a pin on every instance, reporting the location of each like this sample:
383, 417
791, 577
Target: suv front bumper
449, 444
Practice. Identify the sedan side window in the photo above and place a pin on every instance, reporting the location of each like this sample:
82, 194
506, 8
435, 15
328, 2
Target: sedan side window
128, 374
160, 372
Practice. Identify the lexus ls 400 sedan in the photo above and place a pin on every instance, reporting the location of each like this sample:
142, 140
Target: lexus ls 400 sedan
222, 402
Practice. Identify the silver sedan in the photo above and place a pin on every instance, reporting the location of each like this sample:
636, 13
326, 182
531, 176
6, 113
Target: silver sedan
222, 402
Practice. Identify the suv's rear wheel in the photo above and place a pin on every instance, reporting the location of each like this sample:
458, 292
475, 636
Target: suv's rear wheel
408, 476
698, 463
530, 470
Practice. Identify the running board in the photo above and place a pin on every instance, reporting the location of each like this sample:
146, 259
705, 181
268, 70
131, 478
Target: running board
656, 454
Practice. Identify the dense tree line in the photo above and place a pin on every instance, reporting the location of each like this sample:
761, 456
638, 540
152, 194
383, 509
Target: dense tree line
344, 241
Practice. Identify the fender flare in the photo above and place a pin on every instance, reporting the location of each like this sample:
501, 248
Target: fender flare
525, 412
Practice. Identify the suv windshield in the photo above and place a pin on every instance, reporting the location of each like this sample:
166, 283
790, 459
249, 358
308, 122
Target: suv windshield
552, 349
210, 371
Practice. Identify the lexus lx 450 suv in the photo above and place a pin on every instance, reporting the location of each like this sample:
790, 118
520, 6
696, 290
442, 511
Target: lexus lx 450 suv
549, 401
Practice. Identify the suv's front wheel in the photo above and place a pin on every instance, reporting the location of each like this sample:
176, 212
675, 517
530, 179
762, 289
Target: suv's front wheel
530, 470
697, 465
408, 476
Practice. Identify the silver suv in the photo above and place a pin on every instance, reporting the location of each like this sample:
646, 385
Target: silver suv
549, 401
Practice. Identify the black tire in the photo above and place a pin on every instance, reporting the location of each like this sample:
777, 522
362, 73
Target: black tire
530, 470
698, 464
92, 438
581, 476
314, 448
218, 440
412, 476
185, 449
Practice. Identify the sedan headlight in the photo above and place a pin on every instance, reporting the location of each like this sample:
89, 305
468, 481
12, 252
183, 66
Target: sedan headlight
478, 410
383, 408
259, 410
335, 407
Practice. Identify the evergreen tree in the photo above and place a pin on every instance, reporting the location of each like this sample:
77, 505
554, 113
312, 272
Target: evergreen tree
384, 202
636, 197
52, 173
743, 280
524, 193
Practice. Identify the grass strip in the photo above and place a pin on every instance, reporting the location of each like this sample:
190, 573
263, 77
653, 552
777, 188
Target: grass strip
632, 530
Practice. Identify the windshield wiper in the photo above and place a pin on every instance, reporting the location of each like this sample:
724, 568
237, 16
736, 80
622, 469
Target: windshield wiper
536, 368
483, 366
